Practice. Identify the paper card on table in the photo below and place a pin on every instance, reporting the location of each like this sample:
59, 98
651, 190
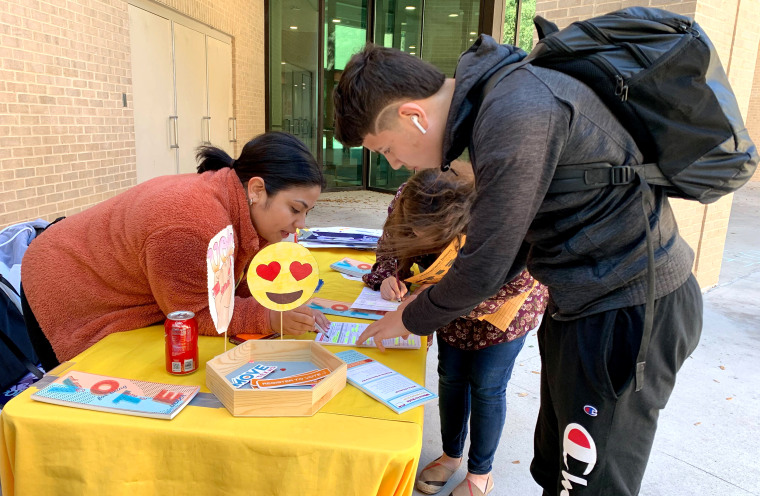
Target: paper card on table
506, 313
283, 369
397, 392
347, 333
441, 266
221, 274
293, 380
370, 299
351, 267
342, 308
258, 371
117, 395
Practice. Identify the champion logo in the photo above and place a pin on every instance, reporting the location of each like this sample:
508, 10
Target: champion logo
590, 410
577, 444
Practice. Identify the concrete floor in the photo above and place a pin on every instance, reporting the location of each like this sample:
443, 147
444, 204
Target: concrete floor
708, 441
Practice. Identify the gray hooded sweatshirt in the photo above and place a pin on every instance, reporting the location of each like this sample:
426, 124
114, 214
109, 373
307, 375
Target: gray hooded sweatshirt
588, 248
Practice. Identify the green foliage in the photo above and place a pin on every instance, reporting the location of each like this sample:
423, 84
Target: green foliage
525, 40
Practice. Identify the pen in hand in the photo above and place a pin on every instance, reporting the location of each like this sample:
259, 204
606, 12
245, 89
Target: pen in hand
318, 328
399, 285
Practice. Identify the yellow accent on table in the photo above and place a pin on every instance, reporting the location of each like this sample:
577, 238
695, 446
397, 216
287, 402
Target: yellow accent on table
353, 445
502, 317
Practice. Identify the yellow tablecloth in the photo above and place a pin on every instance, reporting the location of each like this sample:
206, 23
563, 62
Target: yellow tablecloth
353, 446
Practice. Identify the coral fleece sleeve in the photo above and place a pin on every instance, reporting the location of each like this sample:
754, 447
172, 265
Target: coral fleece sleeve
173, 277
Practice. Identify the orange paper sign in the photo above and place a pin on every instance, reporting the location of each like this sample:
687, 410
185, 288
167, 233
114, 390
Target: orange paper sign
293, 380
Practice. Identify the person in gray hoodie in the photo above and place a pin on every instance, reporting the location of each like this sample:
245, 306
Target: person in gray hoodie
596, 425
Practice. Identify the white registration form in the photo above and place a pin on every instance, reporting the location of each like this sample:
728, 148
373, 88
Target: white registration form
370, 299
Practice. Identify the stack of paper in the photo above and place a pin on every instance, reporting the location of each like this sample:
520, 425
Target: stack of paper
351, 267
339, 237
397, 392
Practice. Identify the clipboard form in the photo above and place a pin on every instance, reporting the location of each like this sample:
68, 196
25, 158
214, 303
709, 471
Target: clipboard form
433, 274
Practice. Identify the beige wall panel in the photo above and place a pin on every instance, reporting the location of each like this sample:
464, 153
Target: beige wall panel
220, 94
192, 108
153, 93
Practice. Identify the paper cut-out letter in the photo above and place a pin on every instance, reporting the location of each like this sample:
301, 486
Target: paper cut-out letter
106, 386
165, 396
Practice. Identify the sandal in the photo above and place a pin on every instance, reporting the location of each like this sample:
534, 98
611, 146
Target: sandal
468, 488
433, 477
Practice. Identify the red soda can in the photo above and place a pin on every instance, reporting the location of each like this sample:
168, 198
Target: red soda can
181, 338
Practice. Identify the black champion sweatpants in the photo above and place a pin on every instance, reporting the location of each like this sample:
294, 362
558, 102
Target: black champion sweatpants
594, 431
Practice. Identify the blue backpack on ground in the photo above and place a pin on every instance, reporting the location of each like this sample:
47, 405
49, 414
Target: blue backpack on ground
17, 356
660, 75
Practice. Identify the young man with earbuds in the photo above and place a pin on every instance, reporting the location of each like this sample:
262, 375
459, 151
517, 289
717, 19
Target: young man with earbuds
596, 424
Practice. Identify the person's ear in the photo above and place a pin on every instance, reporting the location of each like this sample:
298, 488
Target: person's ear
415, 114
256, 190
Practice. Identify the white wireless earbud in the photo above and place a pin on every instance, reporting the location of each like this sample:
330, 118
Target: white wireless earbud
419, 126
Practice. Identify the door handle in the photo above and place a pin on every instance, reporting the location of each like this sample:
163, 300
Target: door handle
232, 129
175, 129
207, 139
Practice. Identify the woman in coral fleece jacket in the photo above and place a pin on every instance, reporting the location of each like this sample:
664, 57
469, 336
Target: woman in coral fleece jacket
130, 260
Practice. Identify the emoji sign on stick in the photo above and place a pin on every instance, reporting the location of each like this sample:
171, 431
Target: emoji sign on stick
220, 262
283, 276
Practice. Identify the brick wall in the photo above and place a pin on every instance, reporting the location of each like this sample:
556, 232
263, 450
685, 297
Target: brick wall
66, 141
731, 25
753, 113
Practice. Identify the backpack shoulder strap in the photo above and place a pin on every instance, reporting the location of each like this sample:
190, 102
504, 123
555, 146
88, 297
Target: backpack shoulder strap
12, 346
20, 355
583, 177
497, 76
544, 27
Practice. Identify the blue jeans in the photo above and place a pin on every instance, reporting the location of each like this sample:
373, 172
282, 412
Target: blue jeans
473, 384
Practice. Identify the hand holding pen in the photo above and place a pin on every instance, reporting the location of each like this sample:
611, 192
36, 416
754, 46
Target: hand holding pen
393, 288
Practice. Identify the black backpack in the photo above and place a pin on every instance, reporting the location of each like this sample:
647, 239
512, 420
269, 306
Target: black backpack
17, 357
660, 75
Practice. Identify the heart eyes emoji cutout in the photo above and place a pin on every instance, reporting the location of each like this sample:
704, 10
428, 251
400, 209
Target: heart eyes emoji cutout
299, 270
283, 276
269, 272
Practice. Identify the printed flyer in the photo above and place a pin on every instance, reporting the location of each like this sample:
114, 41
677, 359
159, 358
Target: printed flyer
397, 392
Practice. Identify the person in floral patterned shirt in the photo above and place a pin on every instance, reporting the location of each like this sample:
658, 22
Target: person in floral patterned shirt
475, 358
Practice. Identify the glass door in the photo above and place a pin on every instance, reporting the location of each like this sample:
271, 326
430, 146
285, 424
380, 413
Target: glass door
398, 24
310, 42
345, 25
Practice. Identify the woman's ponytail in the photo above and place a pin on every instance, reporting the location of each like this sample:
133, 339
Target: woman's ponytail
211, 158
280, 159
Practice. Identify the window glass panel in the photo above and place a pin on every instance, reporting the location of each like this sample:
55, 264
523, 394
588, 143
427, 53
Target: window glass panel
527, 12
449, 28
293, 65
